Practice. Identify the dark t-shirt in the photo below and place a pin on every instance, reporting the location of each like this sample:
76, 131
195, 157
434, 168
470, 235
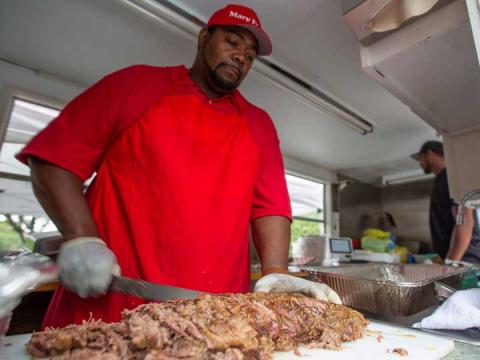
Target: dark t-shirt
442, 221
441, 217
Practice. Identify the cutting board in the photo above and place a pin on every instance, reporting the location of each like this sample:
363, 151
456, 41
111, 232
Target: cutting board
419, 345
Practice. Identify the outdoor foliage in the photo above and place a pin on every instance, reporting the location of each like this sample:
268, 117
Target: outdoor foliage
302, 228
15, 230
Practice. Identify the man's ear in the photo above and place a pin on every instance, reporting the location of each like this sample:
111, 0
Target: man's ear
203, 37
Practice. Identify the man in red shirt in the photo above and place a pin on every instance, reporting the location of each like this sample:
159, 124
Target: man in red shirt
183, 165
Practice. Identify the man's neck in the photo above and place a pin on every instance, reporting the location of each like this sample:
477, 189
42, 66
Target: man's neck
197, 76
438, 170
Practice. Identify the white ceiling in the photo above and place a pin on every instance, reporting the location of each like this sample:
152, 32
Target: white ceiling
81, 41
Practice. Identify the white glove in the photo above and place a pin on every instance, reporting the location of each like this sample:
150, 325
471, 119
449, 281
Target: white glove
459, 312
457, 263
292, 284
86, 266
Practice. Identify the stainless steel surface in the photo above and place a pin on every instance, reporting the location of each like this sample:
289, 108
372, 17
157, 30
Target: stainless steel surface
150, 291
443, 291
461, 206
20, 272
386, 289
471, 336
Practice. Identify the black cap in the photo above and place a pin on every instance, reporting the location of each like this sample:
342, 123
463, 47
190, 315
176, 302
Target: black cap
434, 146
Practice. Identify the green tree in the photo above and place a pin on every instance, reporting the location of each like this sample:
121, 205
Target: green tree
15, 230
10, 239
303, 228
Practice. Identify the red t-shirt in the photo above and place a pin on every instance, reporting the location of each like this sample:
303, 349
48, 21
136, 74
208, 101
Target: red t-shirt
80, 136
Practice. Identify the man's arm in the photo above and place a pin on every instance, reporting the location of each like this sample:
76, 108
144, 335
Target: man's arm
271, 236
61, 195
462, 235
85, 264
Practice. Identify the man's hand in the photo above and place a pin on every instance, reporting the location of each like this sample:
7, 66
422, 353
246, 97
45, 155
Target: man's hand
86, 266
291, 284
458, 263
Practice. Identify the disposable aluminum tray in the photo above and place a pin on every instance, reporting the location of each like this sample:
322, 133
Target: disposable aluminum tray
385, 289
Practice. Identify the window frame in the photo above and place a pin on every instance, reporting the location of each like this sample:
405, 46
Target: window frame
327, 201
9, 93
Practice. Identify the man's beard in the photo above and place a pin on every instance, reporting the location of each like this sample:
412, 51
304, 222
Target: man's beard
427, 169
223, 84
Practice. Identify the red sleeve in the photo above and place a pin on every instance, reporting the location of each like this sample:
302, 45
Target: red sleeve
77, 139
271, 194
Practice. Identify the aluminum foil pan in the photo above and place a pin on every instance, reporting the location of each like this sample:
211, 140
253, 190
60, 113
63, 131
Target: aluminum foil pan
387, 289
19, 273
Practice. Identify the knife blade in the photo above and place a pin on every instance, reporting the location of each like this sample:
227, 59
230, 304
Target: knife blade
150, 291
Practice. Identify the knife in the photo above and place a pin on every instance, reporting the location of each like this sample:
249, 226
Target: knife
125, 285
150, 291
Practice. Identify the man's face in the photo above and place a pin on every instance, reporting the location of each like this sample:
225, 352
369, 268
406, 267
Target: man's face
228, 54
425, 162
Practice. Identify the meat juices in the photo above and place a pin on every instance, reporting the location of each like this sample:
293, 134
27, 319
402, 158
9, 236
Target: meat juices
231, 326
400, 352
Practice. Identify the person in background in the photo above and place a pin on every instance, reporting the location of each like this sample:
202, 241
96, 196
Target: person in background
184, 165
452, 242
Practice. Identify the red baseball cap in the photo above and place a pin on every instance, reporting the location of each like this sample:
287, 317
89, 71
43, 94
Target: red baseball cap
238, 15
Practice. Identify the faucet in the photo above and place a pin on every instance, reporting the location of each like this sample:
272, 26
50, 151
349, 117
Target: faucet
461, 206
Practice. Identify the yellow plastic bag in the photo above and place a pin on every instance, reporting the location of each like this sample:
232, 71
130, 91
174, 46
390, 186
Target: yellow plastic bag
377, 233
403, 252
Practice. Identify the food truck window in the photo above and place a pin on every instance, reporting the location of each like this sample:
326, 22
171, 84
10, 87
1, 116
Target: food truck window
21, 217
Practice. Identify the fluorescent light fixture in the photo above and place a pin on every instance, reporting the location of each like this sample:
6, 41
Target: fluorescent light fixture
187, 26
308, 97
406, 177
